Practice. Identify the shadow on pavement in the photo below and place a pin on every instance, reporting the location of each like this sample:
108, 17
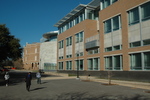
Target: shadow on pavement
86, 96
38, 88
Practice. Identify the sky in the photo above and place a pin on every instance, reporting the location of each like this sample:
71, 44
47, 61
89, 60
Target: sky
28, 20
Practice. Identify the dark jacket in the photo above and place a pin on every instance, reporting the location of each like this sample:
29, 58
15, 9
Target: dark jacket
28, 79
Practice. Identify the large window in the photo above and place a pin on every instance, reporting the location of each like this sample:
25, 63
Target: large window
113, 62
61, 44
69, 41
79, 64
139, 13
79, 37
112, 24
60, 64
68, 65
93, 64
106, 3
145, 9
133, 16
140, 61
147, 60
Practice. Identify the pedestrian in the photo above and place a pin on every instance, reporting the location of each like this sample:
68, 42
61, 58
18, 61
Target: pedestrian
28, 79
6, 76
38, 76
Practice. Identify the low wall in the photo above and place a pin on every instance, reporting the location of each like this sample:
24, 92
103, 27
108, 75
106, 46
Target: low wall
143, 76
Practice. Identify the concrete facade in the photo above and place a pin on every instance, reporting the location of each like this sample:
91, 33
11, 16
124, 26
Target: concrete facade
48, 55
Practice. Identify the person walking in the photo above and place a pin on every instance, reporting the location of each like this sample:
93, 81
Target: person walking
28, 79
6, 76
38, 76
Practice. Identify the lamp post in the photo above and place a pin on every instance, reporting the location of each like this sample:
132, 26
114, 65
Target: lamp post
78, 65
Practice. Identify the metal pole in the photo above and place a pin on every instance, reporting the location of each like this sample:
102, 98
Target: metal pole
78, 65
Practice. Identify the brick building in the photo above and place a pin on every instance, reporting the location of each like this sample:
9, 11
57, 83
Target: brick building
31, 56
106, 35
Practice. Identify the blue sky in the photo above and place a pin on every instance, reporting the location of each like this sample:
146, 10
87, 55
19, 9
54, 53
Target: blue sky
28, 20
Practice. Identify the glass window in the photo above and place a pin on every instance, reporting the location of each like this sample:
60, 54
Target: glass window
116, 23
117, 47
113, 1
117, 63
108, 63
90, 64
81, 64
107, 3
77, 38
107, 26
81, 36
147, 60
146, 42
135, 61
60, 65
145, 11
96, 63
108, 49
133, 16
135, 44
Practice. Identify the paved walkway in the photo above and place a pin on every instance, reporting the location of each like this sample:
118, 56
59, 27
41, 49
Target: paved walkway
62, 87
133, 84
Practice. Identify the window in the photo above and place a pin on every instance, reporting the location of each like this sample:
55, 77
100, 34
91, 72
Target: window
135, 61
60, 65
68, 65
117, 62
69, 56
135, 44
146, 42
133, 16
145, 11
106, 3
93, 64
79, 64
147, 60
108, 49
107, 26
113, 62
108, 63
112, 24
115, 23
140, 61
61, 44
93, 51
79, 37
69, 41
117, 47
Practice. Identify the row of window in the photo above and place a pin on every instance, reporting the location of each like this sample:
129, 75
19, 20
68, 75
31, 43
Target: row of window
78, 38
140, 13
72, 22
138, 61
106, 3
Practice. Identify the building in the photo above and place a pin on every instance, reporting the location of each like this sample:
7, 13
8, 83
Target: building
48, 51
106, 35
31, 56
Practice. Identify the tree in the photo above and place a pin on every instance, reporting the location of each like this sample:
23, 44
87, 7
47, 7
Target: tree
9, 45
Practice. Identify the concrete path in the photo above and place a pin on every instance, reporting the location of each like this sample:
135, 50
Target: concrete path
62, 87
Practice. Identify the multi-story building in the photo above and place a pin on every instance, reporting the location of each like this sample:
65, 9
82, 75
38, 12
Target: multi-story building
31, 56
106, 35
48, 51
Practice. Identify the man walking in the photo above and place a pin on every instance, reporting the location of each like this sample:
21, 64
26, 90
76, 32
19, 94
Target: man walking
28, 81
